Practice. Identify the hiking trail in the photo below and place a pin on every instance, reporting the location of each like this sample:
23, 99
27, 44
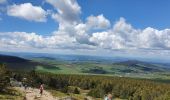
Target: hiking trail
34, 94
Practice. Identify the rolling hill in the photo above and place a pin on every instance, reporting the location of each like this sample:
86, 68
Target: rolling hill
142, 66
12, 59
128, 68
20, 64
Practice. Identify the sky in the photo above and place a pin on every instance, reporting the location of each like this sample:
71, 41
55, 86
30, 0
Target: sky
91, 27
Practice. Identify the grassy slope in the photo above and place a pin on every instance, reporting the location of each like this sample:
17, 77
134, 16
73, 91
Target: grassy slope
11, 94
60, 95
76, 96
110, 69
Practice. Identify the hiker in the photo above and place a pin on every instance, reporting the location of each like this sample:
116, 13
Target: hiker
41, 88
108, 97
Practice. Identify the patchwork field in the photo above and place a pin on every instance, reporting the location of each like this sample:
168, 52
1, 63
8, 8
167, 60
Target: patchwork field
122, 69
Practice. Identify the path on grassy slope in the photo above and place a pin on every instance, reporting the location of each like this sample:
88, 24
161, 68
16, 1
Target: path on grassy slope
33, 94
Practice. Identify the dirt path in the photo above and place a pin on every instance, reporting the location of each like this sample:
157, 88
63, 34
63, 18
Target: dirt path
33, 94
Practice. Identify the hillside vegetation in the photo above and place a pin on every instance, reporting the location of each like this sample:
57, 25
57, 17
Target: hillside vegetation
83, 79
6, 91
98, 86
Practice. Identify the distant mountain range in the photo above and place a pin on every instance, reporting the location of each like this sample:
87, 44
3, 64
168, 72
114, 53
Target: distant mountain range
85, 58
12, 59
142, 66
19, 64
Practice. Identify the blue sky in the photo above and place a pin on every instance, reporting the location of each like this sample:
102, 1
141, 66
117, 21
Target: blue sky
123, 27
140, 14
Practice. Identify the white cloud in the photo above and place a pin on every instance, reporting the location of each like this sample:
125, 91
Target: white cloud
98, 22
155, 39
124, 36
68, 11
21, 39
28, 12
32, 40
107, 40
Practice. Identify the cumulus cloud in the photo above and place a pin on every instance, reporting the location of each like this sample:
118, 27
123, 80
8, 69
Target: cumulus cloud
28, 12
107, 40
32, 40
98, 22
124, 36
20, 39
155, 39
68, 11
67, 15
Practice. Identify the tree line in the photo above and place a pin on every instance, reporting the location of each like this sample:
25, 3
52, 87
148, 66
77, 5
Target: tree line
125, 88
4, 77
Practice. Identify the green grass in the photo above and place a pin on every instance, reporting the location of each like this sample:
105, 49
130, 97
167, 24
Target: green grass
62, 70
61, 95
110, 69
57, 93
